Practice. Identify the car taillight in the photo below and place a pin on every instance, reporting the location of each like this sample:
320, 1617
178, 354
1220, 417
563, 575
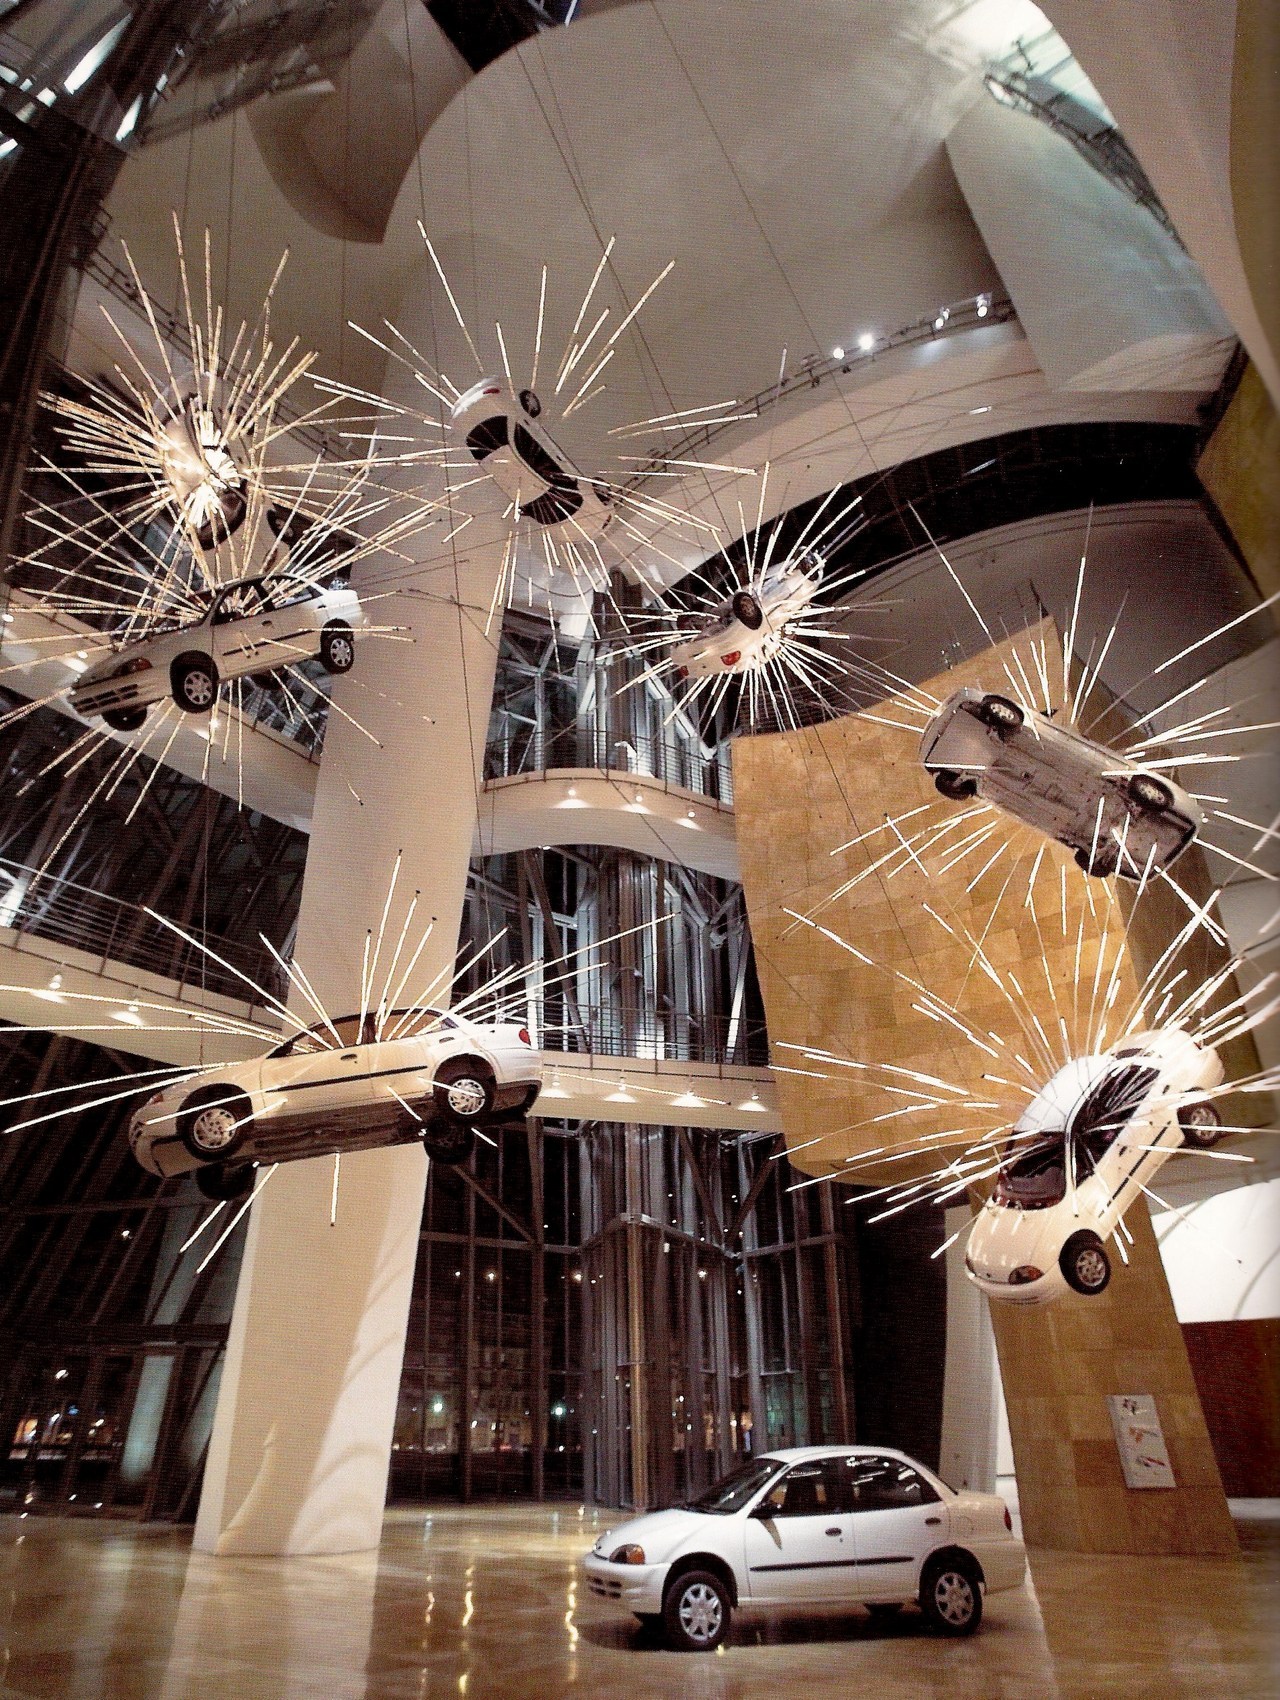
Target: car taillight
733, 658
1008, 1521
1024, 1274
682, 673
523, 1036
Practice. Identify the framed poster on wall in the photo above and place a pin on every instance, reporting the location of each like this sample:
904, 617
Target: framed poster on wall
1144, 1457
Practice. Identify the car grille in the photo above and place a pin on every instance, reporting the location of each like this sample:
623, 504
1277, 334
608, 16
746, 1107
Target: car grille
606, 1587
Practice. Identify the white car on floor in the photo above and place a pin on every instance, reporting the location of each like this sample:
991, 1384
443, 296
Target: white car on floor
344, 1085
830, 1525
749, 629
1110, 812
252, 625
1080, 1155
530, 469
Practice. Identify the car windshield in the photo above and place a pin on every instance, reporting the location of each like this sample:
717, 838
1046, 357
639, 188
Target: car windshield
739, 1487
1033, 1171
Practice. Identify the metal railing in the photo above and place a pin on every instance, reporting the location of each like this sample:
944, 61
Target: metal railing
516, 748
45, 906
653, 1034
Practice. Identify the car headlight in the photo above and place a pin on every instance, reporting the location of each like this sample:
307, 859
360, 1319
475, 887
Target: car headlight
1024, 1274
629, 1554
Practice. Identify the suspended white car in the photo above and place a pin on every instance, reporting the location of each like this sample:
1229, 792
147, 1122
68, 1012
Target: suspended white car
337, 1086
252, 626
204, 480
812, 1525
750, 628
1109, 811
1081, 1154
530, 469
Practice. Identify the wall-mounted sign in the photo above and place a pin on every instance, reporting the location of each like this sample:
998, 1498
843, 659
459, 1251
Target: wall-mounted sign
1144, 1457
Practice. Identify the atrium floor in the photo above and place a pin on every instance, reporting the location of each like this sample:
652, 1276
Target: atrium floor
485, 1603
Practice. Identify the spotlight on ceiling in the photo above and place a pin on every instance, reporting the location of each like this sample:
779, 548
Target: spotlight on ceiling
866, 342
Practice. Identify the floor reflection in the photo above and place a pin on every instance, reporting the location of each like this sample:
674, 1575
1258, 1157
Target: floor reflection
487, 1603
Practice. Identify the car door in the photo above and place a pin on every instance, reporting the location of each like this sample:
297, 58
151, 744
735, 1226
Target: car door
798, 1543
898, 1518
413, 1043
323, 1073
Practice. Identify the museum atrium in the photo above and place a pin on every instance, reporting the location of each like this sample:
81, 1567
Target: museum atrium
638, 880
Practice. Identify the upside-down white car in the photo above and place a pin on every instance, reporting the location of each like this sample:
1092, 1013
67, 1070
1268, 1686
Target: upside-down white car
530, 469
1114, 815
1080, 1155
337, 1086
252, 625
748, 631
203, 478
838, 1525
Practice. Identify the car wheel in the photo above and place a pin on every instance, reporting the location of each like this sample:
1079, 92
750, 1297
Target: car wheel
225, 1181
338, 648
958, 786
215, 1123
463, 1090
1201, 1124
124, 719
195, 685
448, 1142
951, 1596
1101, 864
1000, 714
1152, 796
696, 1612
747, 610
1085, 1266
529, 401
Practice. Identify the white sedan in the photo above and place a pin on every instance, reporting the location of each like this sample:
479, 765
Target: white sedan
750, 628
1109, 811
530, 469
843, 1525
1081, 1154
337, 1086
252, 625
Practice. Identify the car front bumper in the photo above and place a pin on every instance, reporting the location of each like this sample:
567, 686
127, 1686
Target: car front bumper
631, 1587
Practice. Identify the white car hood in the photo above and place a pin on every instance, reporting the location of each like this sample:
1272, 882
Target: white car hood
660, 1533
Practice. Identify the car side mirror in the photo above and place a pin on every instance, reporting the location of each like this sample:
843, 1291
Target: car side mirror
764, 1511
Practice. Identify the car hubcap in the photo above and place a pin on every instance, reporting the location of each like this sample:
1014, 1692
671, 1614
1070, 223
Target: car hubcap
213, 1128
466, 1097
954, 1598
1091, 1268
341, 653
198, 689
700, 1612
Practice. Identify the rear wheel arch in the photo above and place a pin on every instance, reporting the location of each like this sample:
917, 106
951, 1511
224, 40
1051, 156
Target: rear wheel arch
953, 1553
704, 1561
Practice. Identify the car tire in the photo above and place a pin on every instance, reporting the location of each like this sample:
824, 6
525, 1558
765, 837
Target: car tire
1201, 1125
1001, 715
225, 1182
195, 684
529, 401
448, 1142
205, 1123
1084, 1263
124, 719
951, 1596
1150, 795
338, 648
696, 1612
464, 1090
747, 610
1101, 865
959, 787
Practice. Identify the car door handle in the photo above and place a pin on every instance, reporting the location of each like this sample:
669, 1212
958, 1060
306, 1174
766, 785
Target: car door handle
932, 1522
350, 1056
835, 1531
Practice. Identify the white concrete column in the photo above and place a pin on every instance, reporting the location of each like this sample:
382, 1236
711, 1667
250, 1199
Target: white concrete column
971, 1377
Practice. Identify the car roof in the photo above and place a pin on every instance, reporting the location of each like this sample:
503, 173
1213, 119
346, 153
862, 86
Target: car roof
797, 1454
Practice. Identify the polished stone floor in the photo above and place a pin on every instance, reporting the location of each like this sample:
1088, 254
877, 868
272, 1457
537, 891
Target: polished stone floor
485, 1603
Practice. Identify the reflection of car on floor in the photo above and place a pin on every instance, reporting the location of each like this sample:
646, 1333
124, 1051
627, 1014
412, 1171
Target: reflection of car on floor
841, 1525
252, 626
1109, 811
748, 631
526, 465
1080, 1155
335, 1087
